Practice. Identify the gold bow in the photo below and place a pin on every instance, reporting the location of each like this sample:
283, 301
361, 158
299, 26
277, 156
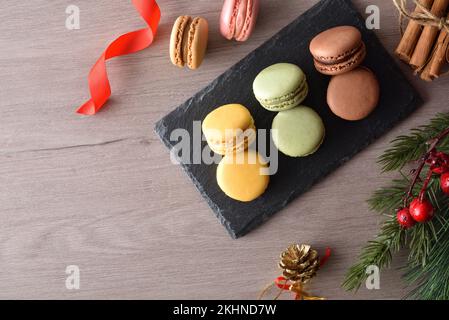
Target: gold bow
296, 287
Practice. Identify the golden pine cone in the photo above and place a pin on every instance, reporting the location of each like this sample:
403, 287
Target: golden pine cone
300, 263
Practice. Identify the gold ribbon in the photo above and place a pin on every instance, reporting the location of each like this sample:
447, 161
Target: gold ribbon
296, 287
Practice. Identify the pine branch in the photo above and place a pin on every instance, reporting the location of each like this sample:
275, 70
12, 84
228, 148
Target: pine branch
428, 256
392, 237
378, 252
386, 200
422, 237
410, 147
433, 278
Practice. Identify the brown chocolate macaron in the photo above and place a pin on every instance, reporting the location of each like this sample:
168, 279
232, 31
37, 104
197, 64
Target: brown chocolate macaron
353, 95
338, 50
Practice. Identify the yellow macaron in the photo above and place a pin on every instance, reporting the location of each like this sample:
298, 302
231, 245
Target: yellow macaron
229, 128
243, 176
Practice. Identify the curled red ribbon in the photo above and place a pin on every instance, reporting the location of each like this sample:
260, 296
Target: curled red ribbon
100, 89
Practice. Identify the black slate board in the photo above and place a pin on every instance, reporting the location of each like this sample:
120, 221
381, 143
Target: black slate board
343, 139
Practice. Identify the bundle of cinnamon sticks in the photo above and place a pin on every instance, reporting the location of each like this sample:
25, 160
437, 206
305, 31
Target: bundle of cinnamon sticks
425, 46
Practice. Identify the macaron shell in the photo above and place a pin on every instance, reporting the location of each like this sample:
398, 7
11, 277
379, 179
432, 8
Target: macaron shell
225, 119
298, 132
176, 40
277, 82
335, 44
351, 63
227, 18
252, 13
241, 177
353, 95
197, 42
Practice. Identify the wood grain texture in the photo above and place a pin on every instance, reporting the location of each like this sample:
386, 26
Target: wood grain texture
101, 193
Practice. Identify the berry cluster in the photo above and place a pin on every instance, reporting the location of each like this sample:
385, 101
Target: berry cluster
420, 209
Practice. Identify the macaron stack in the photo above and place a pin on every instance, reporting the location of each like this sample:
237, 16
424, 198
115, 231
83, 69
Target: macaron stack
298, 131
353, 91
229, 131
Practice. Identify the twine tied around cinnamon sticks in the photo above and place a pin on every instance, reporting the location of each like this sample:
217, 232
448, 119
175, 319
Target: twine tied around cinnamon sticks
425, 42
423, 17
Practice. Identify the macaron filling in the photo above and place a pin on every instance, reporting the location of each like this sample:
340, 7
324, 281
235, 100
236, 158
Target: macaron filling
344, 64
288, 101
240, 142
339, 58
229, 128
280, 87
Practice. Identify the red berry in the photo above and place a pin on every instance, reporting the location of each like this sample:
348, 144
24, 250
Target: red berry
444, 183
421, 211
405, 219
439, 169
439, 162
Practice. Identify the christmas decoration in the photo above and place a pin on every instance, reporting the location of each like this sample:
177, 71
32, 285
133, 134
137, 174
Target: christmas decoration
300, 264
416, 207
100, 89
421, 210
444, 183
425, 42
405, 219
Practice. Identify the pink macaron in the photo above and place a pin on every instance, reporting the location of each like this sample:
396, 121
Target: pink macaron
238, 19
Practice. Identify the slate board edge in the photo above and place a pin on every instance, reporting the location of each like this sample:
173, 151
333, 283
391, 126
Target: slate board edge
160, 127
198, 186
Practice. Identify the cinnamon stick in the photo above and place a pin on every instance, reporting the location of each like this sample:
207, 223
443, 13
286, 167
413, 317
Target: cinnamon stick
411, 35
428, 36
436, 63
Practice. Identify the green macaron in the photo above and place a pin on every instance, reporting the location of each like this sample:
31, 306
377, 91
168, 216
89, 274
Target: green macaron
298, 132
281, 87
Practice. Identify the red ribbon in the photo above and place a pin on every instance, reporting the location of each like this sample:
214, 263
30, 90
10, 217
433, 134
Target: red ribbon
284, 284
326, 257
100, 89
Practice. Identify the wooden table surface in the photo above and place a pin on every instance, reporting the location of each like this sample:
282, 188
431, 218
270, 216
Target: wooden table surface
101, 193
